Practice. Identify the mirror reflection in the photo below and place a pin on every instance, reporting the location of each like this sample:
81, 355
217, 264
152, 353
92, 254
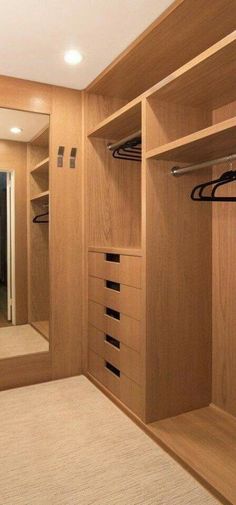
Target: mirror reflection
24, 233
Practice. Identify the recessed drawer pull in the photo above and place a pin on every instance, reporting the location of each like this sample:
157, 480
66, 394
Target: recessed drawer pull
113, 313
113, 341
113, 285
115, 258
112, 369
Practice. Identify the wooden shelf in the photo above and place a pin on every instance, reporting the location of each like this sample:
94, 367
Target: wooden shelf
205, 441
41, 168
40, 196
121, 124
208, 80
41, 139
212, 142
42, 327
156, 53
116, 250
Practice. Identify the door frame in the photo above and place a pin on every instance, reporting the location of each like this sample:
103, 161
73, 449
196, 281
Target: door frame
11, 269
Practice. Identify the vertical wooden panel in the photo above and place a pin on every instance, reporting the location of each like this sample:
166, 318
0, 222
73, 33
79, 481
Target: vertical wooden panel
66, 241
13, 156
224, 288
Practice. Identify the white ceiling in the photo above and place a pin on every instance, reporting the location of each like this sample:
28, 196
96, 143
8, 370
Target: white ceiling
30, 123
35, 33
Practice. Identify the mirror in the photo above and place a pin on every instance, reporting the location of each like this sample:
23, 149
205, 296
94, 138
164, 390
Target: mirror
24, 233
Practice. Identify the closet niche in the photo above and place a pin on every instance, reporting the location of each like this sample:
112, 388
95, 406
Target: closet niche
24, 221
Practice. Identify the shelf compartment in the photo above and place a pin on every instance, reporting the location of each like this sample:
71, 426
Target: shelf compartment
41, 139
41, 197
121, 124
42, 327
207, 144
204, 440
207, 80
41, 168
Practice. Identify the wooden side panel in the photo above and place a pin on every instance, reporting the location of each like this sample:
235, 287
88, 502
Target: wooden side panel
224, 289
13, 156
25, 370
66, 240
178, 252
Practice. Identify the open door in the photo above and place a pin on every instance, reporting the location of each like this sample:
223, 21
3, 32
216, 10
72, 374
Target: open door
11, 305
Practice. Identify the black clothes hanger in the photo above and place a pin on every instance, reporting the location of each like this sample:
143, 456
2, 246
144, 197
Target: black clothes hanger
130, 150
37, 219
226, 178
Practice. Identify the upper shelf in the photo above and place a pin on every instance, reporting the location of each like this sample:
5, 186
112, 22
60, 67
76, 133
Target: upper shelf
208, 80
208, 144
42, 168
183, 31
41, 197
122, 123
41, 139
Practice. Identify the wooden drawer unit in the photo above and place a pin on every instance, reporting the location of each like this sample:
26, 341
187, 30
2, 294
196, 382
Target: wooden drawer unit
116, 382
112, 350
116, 267
125, 329
124, 299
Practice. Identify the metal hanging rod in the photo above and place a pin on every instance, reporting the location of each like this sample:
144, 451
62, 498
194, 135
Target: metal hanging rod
177, 171
121, 142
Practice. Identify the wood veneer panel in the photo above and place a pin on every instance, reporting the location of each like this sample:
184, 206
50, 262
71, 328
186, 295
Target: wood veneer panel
179, 312
209, 80
122, 123
25, 370
126, 271
25, 95
66, 237
204, 440
208, 144
182, 32
224, 289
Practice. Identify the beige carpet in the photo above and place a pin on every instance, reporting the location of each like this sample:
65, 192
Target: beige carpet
65, 443
20, 340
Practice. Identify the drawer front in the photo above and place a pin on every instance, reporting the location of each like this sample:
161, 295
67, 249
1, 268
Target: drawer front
125, 359
121, 386
116, 267
126, 329
127, 300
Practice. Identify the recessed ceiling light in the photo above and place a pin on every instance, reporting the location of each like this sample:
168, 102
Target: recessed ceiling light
73, 57
16, 130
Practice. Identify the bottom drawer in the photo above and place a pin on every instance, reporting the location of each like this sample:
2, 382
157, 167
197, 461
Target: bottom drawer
116, 382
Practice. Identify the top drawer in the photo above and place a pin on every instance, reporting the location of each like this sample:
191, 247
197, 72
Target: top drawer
116, 267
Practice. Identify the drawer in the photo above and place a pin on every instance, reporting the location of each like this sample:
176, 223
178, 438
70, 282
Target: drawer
125, 329
116, 382
116, 267
112, 350
126, 299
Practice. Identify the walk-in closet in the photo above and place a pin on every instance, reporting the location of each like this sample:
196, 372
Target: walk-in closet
118, 220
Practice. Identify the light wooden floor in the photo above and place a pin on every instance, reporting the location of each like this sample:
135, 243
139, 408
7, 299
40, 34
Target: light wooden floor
65, 443
21, 340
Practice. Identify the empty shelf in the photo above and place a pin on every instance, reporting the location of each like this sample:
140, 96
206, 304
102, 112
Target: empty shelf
212, 142
122, 123
41, 168
44, 196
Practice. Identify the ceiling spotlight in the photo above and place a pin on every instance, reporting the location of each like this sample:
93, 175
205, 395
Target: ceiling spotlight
16, 130
73, 57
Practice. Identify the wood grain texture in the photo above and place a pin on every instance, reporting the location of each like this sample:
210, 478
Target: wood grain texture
13, 156
25, 370
127, 271
42, 327
224, 289
127, 300
66, 240
168, 121
121, 124
25, 95
205, 440
127, 329
208, 144
178, 270
206, 81
124, 358
180, 33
